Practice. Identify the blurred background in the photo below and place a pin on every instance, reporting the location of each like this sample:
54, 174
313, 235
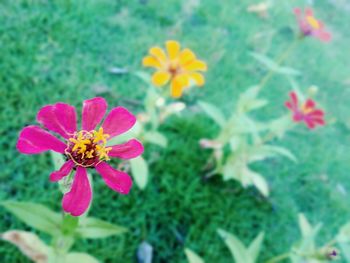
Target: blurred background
66, 51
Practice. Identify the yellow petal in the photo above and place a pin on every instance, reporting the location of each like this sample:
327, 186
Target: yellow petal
176, 88
186, 56
198, 78
184, 79
150, 61
196, 65
160, 78
173, 48
159, 54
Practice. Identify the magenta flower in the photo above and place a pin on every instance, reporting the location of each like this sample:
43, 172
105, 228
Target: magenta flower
306, 113
83, 149
310, 26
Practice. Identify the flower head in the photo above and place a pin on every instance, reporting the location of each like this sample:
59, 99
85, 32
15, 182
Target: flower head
310, 26
306, 113
84, 148
180, 67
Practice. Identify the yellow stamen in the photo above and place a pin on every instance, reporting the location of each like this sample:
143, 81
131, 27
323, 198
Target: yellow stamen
305, 109
89, 154
103, 152
100, 136
313, 22
80, 143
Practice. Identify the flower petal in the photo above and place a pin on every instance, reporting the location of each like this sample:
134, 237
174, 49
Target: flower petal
159, 54
186, 56
78, 199
309, 104
173, 49
114, 179
150, 61
197, 77
33, 139
93, 112
160, 78
118, 121
196, 65
176, 88
309, 11
323, 35
128, 150
60, 118
62, 172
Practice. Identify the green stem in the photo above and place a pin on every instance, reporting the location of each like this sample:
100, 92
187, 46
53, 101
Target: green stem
279, 61
278, 258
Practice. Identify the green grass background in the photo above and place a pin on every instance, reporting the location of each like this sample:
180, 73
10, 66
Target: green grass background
61, 51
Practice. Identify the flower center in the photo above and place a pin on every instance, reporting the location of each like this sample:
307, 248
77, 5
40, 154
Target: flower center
88, 148
173, 68
305, 109
313, 22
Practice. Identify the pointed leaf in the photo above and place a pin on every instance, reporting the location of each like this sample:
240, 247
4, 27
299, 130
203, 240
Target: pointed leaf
192, 257
156, 138
57, 159
305, 226
213, 112
255, 246
139, 171
269, 63
35, 215
75, 257
96, 228
260, 183
236, 247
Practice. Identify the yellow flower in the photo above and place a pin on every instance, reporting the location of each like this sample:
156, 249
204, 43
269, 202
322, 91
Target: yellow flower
180, 67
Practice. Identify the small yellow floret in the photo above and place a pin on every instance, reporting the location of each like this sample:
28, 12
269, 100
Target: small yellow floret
99, 136
313, 22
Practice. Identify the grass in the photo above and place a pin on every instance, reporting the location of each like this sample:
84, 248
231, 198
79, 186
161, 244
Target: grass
62, 50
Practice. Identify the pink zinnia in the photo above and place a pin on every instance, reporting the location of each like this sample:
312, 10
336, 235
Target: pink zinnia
307, 113
310, 26
85, 148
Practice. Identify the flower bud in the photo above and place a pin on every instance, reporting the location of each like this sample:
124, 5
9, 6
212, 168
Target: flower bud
312, 91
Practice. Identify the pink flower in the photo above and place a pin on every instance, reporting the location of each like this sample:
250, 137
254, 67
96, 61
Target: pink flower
310, 26
85, 148
306, 113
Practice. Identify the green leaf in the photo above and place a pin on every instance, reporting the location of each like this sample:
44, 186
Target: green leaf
192, 257
267, 151
255, 246
345, 249
248, 100
260, 183
307, 244
57, 159
272, 65
29, 244
75, 257
35, 215
305, 226
156, 138
96, 228
269, 63
288, 71
344, 233
236, 247
213, 112
139, 171
280, 126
